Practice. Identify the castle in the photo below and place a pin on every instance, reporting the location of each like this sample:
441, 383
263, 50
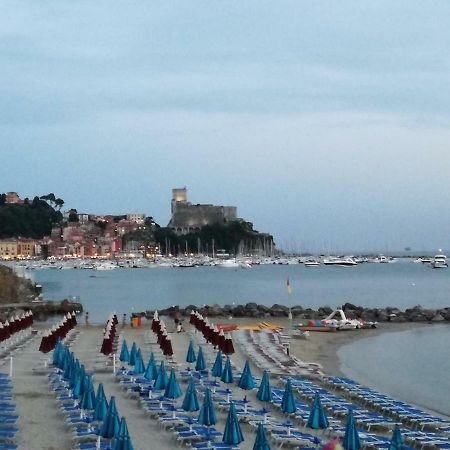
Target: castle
188, 218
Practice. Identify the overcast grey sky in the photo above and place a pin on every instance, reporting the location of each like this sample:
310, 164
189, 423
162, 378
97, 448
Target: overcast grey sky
324, 122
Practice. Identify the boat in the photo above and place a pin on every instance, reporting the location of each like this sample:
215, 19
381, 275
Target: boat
105, 266
341, 262
228, 263
439, 262
311, 263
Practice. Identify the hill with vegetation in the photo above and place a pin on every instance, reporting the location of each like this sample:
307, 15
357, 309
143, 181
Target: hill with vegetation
31, 219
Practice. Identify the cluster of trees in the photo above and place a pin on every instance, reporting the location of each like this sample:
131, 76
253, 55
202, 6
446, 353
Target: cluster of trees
231, 237
32, 219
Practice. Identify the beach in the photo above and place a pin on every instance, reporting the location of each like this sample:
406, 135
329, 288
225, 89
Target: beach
42, 425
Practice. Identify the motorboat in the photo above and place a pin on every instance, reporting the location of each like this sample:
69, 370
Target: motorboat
341, 262
311, 263
439, 262
228, 263
339, 320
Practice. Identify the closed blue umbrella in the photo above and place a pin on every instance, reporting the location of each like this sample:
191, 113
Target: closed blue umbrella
232, 434
397, 440
190, 401
100, 392
123, 440
132, 360
207, 414
246, 381
151, 372
190, 356
173, 390
317, 417
217, 367
138, 364
351, 438
88, 397
265, 391
124, 353
101, 408
161, 379
110, 425
227, 372
288, 401
57, 352
261, 442
200, 364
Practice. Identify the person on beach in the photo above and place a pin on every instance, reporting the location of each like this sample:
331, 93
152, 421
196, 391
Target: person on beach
124, 320
86, 318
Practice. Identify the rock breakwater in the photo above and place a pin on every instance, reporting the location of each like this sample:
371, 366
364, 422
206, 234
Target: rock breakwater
253, 310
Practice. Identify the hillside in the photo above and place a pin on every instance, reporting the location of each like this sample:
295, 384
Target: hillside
14, 289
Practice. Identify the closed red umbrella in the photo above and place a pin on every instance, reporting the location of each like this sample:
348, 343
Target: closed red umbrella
228, 346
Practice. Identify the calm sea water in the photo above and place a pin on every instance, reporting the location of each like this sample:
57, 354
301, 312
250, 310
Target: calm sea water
401, 284
411, 365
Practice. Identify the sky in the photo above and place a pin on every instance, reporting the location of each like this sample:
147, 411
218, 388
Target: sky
326, 123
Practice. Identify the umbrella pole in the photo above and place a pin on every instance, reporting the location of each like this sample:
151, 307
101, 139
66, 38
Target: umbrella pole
114, 363
10, 366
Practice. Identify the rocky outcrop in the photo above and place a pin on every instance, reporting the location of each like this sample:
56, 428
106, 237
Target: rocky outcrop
15, 289
253, 310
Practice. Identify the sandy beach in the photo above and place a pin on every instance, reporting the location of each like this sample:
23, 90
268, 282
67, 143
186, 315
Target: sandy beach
42, 425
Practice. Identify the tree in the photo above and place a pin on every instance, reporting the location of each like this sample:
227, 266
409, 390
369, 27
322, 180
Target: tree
73, 215
59, 202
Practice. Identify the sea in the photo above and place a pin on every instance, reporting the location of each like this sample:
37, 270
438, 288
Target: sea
412, 365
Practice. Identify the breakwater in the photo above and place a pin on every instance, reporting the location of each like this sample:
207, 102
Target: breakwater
253, 310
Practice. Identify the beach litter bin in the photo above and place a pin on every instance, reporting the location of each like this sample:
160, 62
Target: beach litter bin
135, 322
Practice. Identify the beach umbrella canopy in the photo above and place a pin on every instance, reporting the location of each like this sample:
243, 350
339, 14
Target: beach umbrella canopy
351, 438
173, 390
100, 392
200, 364
246, 381
227, 372
190, 356
261, 442
123, 440
161, 379
139, 363
207, 414
88, 397
232, 434
110, 425
397, 440
57, 352
288, 401
317, 416
124, 353
101, 408
190, 401
132, 360
217, 367
265, 391
151, 372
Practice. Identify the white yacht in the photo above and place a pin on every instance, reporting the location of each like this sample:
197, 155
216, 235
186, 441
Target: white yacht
341, 262
439, 262
311, 263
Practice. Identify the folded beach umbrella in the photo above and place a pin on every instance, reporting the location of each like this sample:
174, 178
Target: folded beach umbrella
200, 364
167, 348
351, 438
227, 372
138, 364
151, 372
173, 390
246, 381
288, 401
190, 356
232, 434
57, 352
123, 440
217, 367
124, 353
265, 391
261, 442
190, 401
228, 346
207, 414
132, 360
397, 440
161, 379
88, 397
110, 425
101, 408
100, 392
317, 416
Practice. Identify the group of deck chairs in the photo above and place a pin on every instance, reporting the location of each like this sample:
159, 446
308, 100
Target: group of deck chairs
268, 353
8, 416
424, 428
